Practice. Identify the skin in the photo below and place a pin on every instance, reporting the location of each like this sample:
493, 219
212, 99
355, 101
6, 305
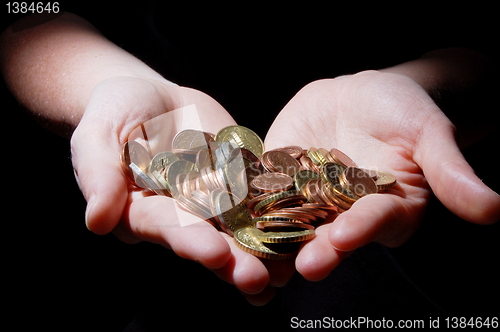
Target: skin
96, 93
398, 129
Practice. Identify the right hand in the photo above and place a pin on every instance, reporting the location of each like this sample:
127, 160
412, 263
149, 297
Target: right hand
115, 108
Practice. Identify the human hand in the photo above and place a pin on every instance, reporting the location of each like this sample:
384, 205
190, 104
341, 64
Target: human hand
384, 121
115, 109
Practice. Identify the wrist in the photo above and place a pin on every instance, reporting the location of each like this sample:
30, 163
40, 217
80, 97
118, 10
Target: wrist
450, 69
458, 80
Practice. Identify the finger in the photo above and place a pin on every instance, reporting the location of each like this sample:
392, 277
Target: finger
280, 272
243, 270
158, 219
451, 178
261, 298
318, 257
99, 175
384, 218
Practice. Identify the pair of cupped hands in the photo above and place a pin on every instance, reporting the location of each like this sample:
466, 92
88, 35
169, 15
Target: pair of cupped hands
382, 120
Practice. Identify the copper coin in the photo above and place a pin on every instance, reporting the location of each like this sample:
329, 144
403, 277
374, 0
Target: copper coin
203, 159
193, 207
274, 197
245, 154
176, 168
313, 187
189, 183
284, 202
330, 209
312, 211
359, 181
336, 196
293, 150
272, 182
200, 185
278, 161
373, 173
341, 158
257, 199
201, 200
246, 177
179, 184
293, 215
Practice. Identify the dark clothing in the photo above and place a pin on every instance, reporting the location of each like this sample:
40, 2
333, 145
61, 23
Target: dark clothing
252, 60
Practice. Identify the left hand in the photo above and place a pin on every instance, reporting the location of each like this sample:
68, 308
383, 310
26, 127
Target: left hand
386, 121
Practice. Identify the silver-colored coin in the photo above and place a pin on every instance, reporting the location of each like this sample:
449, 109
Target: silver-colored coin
191, 139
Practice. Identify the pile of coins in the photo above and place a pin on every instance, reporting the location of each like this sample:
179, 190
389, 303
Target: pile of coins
269, 201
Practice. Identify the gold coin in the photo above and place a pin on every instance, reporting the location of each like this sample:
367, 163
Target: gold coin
270, 217
247, 239
291, 201
232, 212
332, 198
282, 226
293, 215
223, 180
332, 172
312, 153
303, 176
162, 160
287, 237
323, 155
385, 181
241, 137
274, 197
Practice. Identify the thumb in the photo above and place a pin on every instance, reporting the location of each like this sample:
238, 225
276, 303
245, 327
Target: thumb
95, 157
451, 178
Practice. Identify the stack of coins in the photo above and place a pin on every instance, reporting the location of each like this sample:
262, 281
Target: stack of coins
269, 201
